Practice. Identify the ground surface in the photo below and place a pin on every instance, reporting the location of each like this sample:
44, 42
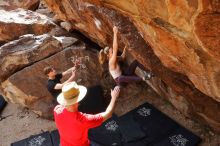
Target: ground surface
22, 123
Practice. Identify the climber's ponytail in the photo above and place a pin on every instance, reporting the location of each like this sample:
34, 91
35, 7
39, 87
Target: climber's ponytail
102, 56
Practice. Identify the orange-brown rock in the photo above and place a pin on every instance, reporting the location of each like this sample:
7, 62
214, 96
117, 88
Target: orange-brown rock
177, 40
14, 4
21, 22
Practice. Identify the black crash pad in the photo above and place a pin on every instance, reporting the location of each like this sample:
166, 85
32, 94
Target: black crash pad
2, 103
108, 134
130, 129
55, 137
42, 139
159, 129
179, 137
155, 124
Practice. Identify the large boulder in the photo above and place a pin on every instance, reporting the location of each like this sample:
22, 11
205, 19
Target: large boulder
21, 22
27, 87
14, 4
29, 49
178, 41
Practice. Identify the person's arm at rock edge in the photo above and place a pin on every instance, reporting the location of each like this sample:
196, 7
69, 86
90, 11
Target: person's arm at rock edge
122, 57
76, 63
113, 59
71, 78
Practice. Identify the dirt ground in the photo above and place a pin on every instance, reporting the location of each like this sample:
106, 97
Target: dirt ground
21, 123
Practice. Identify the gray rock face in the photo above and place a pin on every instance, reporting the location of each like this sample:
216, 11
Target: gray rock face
29, 49
21, 22
14, 4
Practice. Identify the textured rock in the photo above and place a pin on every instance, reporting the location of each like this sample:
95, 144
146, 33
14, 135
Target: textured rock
21, 22
207, 28
28, 86
66, 25
177, 40
14, 4
42, 9
29, 49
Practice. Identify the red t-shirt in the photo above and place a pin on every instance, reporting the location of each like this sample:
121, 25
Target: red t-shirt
73, 126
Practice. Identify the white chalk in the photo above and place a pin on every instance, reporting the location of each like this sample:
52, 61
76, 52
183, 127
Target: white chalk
97, 23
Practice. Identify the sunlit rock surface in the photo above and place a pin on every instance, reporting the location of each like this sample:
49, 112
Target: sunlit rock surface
19, 22
29, 49
14, 4
177, 40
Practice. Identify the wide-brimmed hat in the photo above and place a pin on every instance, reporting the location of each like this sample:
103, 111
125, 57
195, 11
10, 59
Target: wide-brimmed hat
71, 94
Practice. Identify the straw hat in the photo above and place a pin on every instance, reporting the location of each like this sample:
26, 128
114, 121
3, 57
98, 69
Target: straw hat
71, 94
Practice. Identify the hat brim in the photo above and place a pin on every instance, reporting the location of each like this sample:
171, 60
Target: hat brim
62, 101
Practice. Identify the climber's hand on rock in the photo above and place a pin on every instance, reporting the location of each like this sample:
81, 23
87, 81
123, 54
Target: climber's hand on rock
76, 62
115, 29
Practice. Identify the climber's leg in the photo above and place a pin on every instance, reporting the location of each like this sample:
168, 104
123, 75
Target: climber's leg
127, 79
134, 65
131, 68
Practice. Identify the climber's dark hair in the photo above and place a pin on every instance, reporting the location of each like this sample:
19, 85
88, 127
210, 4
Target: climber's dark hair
48, 69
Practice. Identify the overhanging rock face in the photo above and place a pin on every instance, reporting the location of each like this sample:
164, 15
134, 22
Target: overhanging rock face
178, 41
